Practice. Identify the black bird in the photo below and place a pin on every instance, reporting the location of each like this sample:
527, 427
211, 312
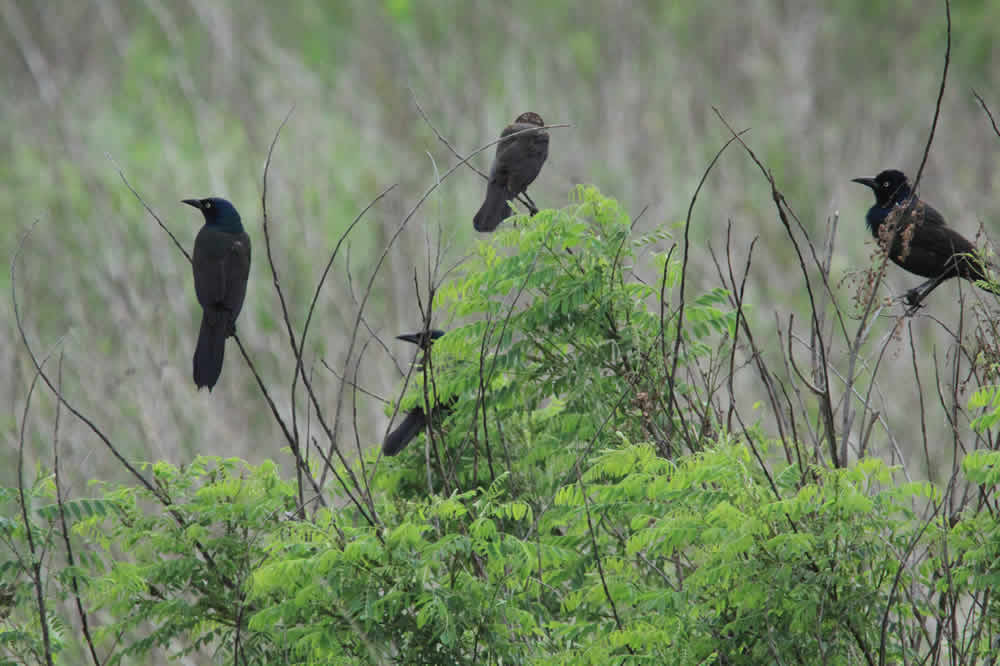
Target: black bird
922, 242
516, 165
415, 420
221, 264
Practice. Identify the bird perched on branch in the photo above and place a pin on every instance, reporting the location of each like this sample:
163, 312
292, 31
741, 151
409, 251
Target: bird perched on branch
516, 165
921, 241
416, 419
221, 264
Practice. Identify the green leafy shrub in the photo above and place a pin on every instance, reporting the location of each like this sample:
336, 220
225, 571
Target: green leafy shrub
581, 502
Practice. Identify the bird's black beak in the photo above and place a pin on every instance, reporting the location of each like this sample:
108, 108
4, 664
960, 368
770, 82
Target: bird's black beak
870, 182
193, 202
422, 339
412, 338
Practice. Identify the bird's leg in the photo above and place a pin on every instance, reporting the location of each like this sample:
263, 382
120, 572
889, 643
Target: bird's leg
522, 199
920, 292
913, 297
532, 208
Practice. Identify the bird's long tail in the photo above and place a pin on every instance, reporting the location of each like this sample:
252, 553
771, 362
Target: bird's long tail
211, 348
411, 426
494, 210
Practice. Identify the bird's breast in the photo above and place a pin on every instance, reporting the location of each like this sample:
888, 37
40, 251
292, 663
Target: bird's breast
875, 217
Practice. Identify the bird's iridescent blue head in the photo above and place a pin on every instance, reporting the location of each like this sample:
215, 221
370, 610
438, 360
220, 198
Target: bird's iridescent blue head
218, 213
890, 187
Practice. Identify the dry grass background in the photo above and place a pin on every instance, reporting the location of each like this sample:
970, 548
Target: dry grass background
186, 96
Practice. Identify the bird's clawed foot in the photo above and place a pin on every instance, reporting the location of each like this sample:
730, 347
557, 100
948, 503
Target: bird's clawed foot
913, 299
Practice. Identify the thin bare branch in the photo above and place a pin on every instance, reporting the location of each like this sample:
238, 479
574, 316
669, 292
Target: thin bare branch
989, 114
55, 390
60, 503
937, 106
149, 210
35, 565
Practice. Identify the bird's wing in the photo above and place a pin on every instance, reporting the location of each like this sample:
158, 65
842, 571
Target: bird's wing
221, 264
208, 265
502, 161
236, 270
929, 215
970, 263
941, 240
520, 158
928, 250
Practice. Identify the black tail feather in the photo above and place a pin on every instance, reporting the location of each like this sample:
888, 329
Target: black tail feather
411, 426
494, 210
211, 348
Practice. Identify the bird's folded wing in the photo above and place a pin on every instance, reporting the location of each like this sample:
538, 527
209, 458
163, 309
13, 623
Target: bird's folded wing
208, 262
236, 271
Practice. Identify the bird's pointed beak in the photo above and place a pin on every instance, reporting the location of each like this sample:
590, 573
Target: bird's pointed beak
192, 202
422, 339
413, 338
869, 182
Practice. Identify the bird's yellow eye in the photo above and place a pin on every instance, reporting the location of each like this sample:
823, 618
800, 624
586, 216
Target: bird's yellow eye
208, 204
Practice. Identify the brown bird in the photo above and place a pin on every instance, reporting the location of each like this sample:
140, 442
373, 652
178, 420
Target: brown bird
516, 165
221, 264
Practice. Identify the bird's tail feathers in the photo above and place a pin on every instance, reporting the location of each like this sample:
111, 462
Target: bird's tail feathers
412, 425
211, 348
494, 210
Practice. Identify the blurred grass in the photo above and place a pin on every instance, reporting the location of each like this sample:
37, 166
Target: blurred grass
186, 97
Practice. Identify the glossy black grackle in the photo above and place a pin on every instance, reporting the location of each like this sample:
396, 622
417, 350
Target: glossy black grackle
516, 165
221, 264
921, 241
415, 420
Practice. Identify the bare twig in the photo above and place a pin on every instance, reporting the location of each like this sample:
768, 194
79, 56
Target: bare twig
149, 210
326, 271
937, 106
671, 378
60, 503
825, 405
989, 114
292, 436
55, 390
362, 389
299, 462
275, 280
35, 566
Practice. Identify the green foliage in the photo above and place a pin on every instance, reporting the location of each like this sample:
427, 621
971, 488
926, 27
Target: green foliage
561, 350
986, 398
187, 566
27, 549
594, 511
